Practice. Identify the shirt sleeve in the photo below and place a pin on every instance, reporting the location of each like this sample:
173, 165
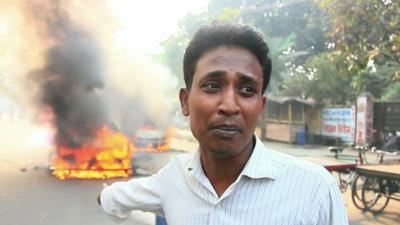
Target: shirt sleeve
144, 194
332, 210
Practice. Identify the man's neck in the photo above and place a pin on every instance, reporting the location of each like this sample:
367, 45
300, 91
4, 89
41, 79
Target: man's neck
222, 172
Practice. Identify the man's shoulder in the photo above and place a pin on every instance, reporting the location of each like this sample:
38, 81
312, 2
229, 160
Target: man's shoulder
178, 163
297, 166
183, 159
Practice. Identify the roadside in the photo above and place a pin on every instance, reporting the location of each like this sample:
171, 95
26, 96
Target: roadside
26, 181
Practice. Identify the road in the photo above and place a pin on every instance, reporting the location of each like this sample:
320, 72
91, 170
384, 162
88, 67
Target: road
30, 195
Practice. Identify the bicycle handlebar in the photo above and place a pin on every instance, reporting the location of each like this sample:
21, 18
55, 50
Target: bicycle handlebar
362, 148
383, 152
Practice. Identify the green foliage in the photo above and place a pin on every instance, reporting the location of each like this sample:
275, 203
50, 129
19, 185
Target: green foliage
324, 49
319, 79
215, 7
366, 34
228, 14
392, 92
173, 55
277, 45
292, 31
174, 46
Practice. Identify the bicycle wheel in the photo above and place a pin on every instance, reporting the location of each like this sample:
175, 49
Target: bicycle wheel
374, 195
356, 188
341, 179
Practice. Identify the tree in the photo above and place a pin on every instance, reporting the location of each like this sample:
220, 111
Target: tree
366, 34
278, 24
292, 31
320, 80
174, 46
354, 46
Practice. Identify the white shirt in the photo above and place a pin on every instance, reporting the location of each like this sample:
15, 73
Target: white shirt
273, 189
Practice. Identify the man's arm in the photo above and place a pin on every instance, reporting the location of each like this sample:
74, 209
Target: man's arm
144, 194
331, 209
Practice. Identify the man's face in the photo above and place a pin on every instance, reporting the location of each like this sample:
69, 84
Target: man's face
225, 100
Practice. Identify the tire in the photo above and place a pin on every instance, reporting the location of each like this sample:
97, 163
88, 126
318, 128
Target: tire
356, 188
374, 195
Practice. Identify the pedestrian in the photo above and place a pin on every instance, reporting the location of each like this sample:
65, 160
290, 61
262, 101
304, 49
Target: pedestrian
231, 178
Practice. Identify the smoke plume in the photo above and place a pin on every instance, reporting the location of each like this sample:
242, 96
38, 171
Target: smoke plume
72, 73
60, 60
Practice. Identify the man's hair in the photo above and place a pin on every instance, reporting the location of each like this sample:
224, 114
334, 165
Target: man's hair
224, 34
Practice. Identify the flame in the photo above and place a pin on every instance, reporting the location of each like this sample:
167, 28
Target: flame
107, 156
160, 144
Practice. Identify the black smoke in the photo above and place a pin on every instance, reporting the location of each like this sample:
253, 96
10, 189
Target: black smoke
71, 77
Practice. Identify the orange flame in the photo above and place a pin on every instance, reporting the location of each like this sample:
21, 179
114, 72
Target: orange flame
161, 145
107, 156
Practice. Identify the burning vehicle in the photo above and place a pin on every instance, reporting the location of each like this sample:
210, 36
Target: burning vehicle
71, 92
107, 155
149, 138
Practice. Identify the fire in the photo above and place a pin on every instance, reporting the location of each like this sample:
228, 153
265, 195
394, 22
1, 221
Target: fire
108, 155
156, 141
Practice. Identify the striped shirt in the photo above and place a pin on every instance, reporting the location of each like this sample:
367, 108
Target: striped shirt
273, 189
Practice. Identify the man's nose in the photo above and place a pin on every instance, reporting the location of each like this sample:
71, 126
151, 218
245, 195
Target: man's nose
229, 103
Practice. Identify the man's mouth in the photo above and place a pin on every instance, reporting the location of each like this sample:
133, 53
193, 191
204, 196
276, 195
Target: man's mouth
226, 131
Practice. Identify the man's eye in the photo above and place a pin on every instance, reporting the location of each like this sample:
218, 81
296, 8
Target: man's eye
248, 90
211, 87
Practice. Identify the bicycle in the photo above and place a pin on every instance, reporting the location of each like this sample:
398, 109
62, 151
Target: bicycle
378, 189
348, 176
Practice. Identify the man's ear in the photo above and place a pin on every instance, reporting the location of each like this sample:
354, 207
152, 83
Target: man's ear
264, 101
184, 98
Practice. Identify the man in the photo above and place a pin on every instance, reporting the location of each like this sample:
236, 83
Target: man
232, 178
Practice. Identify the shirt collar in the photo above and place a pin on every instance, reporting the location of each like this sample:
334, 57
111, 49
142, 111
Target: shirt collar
259, 165
194, 163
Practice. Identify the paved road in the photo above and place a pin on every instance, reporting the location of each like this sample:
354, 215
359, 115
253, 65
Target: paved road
29, 195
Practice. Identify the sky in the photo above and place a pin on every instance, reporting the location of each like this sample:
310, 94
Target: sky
152, 21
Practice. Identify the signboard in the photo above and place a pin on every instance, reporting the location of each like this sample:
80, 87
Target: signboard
364, 119
339, 122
